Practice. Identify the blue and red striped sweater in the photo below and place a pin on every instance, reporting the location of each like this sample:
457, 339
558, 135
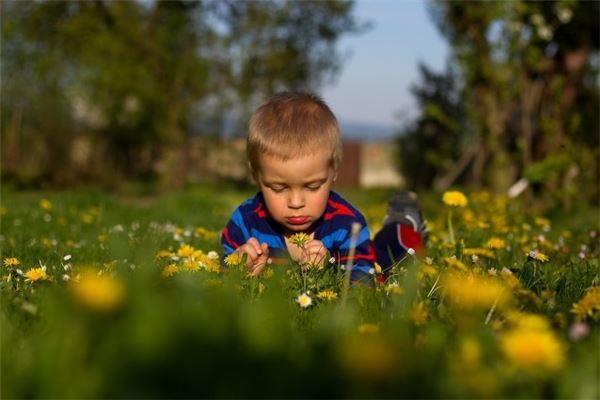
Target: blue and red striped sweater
251, 219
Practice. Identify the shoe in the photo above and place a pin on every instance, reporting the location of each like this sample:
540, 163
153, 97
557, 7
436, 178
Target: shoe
403, 208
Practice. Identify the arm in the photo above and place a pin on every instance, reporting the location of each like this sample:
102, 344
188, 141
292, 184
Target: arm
235, 238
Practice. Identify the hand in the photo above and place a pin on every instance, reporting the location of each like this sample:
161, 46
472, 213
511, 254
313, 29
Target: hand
258, 255
314, 254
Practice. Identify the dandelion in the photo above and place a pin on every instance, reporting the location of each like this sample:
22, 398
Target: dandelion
589, 305
495, 243
185, 250
368, 329
233, 260
299, 239
163, 254
532, 349
474, 291
304, 300
36, 274
169, 271
478, 252
327, 295
454, 199
45, 204
419, 314
393, 288
536, 255
67, 257
455, 263
11, 262
98, 292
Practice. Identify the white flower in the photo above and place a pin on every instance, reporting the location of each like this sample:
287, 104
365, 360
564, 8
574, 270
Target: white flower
304, 300
67, 257
332, 260
537, 19
428, 260
411, 251
544, 32
492, 271
213, 255
474, 258
66, 277
372, 271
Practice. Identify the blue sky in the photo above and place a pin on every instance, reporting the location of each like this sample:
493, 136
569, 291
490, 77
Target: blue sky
373, 85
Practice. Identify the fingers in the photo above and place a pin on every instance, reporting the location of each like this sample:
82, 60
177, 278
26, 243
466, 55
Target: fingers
314, 252
258, 255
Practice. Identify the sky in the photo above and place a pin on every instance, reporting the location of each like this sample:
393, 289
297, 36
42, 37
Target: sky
381, 64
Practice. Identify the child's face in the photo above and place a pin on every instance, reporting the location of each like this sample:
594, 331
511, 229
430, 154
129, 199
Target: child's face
296, 190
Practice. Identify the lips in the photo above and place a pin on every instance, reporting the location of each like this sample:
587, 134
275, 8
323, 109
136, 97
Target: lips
297, 220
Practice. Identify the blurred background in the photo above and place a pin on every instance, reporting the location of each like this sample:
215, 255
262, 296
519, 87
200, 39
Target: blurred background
429, 95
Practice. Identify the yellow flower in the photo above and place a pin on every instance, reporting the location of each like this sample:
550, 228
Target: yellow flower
474, 291
589, 305
454, 198
185, 250
191, 265
327, 295
393, 288
36, 274
478, 252
169, 271
453, 262
163, 254
304, 300
366, 329
419, 314
233, 260
299, 239
495, 243
536, 255
532, 349
99, 293
45, 204
11, 262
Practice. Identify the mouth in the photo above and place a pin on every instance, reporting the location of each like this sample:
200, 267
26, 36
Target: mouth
297, 220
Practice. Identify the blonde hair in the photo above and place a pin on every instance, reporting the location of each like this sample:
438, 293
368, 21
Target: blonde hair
290, 125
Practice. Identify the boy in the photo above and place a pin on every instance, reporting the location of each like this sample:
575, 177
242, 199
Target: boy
294, 149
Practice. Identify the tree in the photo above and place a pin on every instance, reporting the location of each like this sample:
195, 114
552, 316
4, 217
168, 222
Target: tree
136, 77
528, 76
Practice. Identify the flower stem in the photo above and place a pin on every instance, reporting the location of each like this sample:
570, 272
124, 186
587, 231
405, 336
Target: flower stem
451, 228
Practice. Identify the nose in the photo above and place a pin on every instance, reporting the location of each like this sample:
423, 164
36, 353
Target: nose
295, 199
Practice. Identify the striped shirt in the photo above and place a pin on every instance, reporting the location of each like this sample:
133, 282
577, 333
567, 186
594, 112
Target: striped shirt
251, 219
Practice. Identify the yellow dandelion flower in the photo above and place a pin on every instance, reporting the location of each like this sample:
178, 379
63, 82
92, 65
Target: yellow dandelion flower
589, 305
474, 291
233, 260
327, 295
427, 271
455, 263
206, 234
419, 314
393, 288
522, 320
209, 264
36, 274
495, 243
11, 262
169, 271
478, 252
368, 329
299, 239
185, 250
304, 300
163, 254
542, 222
45, 204
454, 198
102, 238
87, 218
532, 349
191, 265
378, 269
98, 292
538, 256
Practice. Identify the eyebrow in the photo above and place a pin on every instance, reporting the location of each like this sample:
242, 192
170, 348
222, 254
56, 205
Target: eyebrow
311, 182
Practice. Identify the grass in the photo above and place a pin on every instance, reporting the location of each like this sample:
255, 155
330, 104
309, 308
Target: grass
157, 317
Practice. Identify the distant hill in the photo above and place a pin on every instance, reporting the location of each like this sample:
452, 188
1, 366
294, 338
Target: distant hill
368, 132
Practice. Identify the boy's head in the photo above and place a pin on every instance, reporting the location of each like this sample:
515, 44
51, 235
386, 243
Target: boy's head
291, 125
294, 149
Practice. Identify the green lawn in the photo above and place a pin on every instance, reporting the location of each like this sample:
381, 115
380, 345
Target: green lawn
121, 296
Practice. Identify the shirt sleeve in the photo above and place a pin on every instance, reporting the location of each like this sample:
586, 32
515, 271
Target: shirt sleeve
235, 233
